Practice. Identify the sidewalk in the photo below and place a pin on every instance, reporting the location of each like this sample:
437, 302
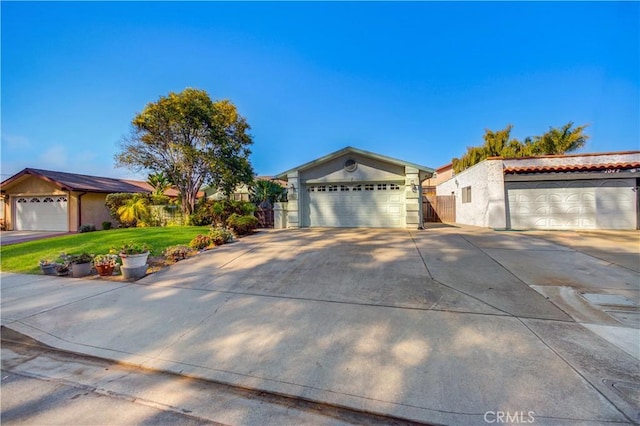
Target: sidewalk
435, 367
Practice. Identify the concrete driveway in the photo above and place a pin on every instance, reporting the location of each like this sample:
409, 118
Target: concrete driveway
444, 326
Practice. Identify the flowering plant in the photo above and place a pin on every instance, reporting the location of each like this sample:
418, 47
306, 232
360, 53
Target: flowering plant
105, 260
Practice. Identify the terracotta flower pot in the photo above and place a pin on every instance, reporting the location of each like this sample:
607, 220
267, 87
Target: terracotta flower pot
105, 270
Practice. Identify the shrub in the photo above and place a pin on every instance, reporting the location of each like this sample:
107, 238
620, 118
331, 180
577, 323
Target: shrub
176, 253
210, 212
159, 200
86, 228
220, 236
200, 242
242, 225
106, 225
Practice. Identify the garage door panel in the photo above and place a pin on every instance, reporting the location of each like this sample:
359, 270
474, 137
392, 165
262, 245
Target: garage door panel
580, 204
48, 213
355, 205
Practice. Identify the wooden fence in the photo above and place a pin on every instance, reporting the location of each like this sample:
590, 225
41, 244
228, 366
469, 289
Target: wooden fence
439, 208
265, 217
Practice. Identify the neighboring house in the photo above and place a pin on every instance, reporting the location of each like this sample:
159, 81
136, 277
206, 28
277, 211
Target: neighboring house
442, 174
583, 191
355, 188
242, 191
43, 200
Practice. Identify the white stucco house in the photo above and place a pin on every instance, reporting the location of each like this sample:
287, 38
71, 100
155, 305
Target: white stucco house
584, 191
354, 188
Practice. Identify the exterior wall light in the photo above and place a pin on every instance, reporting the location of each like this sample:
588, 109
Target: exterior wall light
291, 192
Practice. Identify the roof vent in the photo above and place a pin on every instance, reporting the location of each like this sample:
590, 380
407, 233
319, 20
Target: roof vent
350, 165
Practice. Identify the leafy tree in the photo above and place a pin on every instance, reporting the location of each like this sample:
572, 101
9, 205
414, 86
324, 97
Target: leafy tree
192, 141
500, 144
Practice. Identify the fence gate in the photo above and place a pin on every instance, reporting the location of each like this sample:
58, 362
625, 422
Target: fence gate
439, 208
265, 217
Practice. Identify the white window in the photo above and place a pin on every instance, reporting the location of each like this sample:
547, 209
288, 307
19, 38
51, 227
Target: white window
322, 188
344, 188
466, 194
382, 187
394, 187
368, 187
311, 189
357, 188
333, 188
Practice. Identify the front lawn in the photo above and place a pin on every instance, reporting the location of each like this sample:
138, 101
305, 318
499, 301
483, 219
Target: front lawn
24, 257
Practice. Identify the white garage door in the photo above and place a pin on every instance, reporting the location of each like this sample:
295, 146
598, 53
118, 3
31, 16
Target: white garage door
48, 213
579, 204
368, 205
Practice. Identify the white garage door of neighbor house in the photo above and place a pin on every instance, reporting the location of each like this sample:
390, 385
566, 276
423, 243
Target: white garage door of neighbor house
578, 204
47, 213
367, 205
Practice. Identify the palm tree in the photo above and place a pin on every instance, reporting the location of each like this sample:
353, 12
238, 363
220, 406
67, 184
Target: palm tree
263, 191
160, 183
560, 140
134, 211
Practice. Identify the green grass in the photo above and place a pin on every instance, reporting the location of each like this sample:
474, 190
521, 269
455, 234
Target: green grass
24, 257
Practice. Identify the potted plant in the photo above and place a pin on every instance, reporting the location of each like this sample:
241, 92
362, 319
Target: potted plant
134, 255
62, 269
80, 264
47, 267
105, 263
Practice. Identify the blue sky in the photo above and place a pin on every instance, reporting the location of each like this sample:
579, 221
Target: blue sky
419, 81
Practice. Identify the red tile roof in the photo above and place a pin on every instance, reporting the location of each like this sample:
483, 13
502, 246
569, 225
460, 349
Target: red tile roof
589, 154
564, 168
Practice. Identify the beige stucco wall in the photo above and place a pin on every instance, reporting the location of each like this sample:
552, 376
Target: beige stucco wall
32, 186
94, 211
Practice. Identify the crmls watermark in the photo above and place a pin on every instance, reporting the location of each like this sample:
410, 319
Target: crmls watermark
516, 417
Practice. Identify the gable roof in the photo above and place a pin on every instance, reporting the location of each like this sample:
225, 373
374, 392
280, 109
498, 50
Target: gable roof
77, 182
352, 150
86, 183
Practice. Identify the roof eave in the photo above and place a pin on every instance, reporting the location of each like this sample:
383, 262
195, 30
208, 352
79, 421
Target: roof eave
32, 172
350, 149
